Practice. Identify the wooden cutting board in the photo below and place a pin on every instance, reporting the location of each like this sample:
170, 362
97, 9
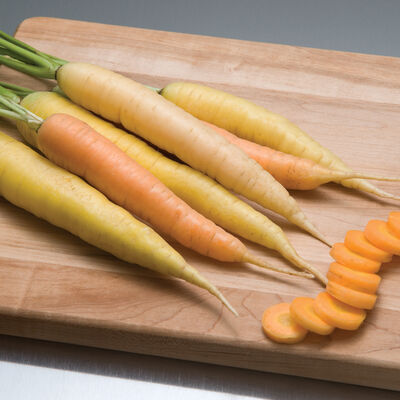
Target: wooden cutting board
53, 286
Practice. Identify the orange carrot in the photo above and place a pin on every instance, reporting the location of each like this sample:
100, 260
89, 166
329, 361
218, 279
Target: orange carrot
361, 281
73, 145
394, 223
351, 297
290, 171
353, 260
356, 242
279, 325
378, 234
303, 313
337, 313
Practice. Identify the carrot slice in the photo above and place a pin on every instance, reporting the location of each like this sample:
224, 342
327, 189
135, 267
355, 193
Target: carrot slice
279, 326
394, 223
302, 311
361, 281
351, 297
337, 313
353, 260
378, 234
356, 241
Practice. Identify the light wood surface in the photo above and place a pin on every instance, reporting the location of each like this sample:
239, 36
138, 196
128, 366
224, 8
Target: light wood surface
54, 286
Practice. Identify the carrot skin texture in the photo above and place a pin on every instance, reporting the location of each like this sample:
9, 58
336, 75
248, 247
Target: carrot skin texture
73, 145
302, 311
361, 281
351, 297
198, 190
337, 313
352, 260
257, 124
122, 100
279, 325
394, 223
356, 242
378, 234
33, 183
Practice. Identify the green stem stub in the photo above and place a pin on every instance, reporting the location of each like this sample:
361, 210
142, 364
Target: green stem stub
12, 110
24, 58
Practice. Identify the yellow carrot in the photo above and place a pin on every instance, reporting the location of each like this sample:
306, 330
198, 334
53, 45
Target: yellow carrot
199, 191
252, 122
33, 183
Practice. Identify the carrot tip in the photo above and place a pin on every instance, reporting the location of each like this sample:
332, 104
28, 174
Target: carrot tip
260, 263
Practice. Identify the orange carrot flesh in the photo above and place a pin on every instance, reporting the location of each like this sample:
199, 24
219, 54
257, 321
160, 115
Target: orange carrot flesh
356, 242
279, 325
394, 223
76, 147
378, 234
351, 297
361, 281
302, 311
337, 313
352, 260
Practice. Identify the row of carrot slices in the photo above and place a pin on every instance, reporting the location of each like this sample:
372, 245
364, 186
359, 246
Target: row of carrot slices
351, 289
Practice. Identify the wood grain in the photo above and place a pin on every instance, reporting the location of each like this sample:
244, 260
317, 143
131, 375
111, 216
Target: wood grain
54, 286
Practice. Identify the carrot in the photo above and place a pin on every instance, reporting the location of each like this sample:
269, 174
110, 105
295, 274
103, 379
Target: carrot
201, 192
256, 124
337, 313
394, 223
33, 183
351, 297
378, 234
74, 146
290, 171
361, 281
353, 260
302, 312
279, 325
356, 242
141, 110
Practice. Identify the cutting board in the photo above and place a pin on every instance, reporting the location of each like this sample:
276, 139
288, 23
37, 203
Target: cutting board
53, 286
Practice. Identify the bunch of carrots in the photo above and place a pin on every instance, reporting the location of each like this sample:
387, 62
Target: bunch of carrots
220, 137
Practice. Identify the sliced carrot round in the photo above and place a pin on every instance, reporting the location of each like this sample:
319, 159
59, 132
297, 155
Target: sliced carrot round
351, 297
362, 281
337, 313
394, 223
352, 260
279, 326
356, 241
377, 233
302, 311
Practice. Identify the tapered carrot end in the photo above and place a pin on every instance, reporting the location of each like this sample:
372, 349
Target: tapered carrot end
339, 175
260, 263
302, 222
304, 265
224, 301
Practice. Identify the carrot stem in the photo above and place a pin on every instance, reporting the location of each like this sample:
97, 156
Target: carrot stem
17, 90
24, 58
10, 109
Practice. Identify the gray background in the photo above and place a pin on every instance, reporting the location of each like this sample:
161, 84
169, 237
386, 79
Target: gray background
32, 369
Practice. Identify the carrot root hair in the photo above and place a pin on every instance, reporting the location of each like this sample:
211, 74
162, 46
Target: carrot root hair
262, 264
340, 175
